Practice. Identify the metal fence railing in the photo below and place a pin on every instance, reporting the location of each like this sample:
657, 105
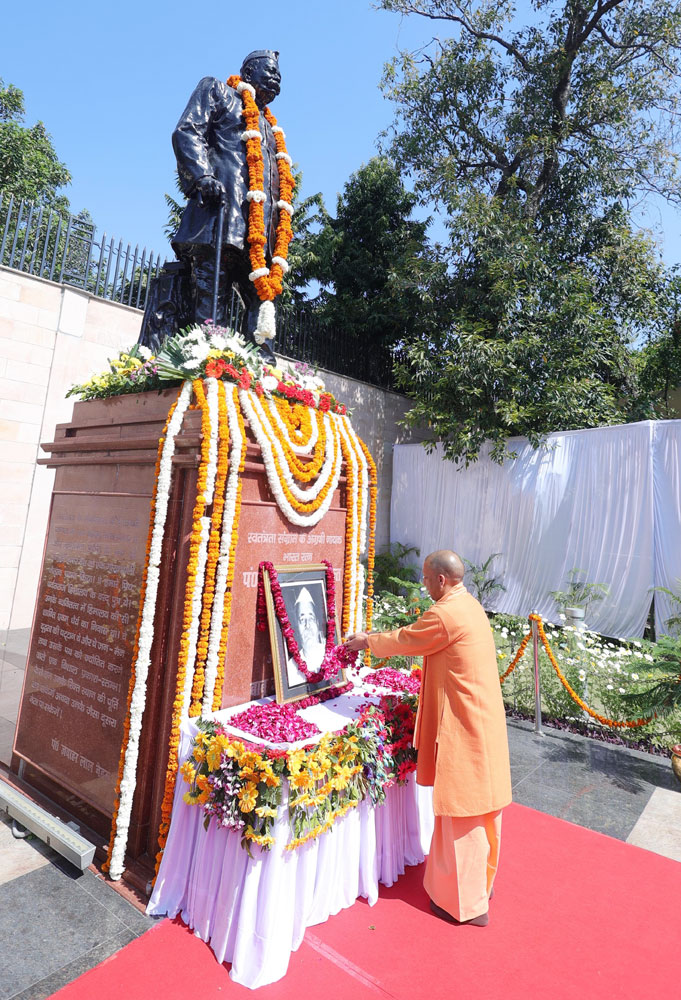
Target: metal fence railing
66, 248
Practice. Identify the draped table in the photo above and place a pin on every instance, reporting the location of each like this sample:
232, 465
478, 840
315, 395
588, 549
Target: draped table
253, 911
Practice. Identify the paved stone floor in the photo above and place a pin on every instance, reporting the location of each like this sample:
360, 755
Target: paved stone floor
56, 922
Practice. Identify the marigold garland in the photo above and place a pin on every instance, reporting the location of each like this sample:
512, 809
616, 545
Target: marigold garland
613, 723
213, 544
324, 439
349, 597
305, 468
269, 284
267, 437
217, 697
371, 550
517, 658
299, 420
183, 657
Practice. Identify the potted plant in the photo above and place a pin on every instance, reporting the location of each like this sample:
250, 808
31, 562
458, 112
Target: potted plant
578, 596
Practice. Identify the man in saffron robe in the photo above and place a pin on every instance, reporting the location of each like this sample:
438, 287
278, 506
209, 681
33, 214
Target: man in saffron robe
460, 735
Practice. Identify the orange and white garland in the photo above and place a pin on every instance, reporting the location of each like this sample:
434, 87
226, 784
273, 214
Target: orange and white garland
127, 778
303, 453
267, 280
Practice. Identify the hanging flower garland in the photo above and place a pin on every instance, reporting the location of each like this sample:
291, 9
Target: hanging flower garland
286, 493
217, 643
266, 280
330, 665
213, 553
305, 463
371, 548
299, 424
288, 465
127, 774
192, 609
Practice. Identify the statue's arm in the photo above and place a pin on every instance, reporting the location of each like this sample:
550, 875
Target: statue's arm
190, 138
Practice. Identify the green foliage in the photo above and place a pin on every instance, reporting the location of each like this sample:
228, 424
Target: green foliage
484, 585
29, 165
579, 593
673, 623
370, 260
390, 573
663, 697
395, 610
533, 144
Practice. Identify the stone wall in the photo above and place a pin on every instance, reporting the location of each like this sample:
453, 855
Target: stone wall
52, 336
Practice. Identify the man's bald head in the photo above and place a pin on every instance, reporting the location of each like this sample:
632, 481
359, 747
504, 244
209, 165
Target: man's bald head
442, 570
448, 564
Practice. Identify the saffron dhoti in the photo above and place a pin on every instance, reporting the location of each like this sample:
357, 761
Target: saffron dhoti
463, 860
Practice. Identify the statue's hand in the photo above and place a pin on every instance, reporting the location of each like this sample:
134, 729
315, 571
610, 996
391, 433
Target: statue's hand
211, 189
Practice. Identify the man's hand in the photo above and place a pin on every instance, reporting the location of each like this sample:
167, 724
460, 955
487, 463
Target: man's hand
211, 189
360, 640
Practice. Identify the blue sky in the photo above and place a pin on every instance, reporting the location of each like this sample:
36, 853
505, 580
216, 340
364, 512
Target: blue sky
110, 82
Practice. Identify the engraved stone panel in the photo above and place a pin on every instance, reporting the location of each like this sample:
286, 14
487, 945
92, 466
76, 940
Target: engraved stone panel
73, 705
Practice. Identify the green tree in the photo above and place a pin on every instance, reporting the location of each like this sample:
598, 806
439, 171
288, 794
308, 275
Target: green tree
29, 165
533, 142
370, 259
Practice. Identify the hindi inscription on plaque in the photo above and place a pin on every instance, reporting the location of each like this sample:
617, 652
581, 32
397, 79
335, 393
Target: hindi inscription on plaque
73, 705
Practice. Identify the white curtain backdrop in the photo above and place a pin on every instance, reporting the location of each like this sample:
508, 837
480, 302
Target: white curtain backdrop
667, 501
605, 500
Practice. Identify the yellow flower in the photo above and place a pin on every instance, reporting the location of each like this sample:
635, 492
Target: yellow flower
295, 761
188, 772
301, 780
214, 755
248, 796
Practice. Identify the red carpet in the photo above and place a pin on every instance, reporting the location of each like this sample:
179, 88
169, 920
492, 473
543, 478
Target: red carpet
575, 915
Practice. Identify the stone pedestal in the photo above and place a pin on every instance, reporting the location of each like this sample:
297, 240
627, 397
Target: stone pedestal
73, 706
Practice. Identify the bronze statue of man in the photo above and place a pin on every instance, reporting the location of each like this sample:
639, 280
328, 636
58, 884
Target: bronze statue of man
210, 148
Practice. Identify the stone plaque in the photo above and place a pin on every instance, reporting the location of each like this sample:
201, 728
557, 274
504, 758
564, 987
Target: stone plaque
74, 699
265, 534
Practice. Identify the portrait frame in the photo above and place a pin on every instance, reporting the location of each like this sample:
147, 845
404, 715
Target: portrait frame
289, 684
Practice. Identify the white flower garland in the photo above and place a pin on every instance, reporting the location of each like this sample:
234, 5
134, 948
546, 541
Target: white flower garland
222, 569
330, 468
298, 449
213, 416
248, 400
146, 638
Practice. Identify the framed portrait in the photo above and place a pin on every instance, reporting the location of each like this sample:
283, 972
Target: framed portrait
304, 594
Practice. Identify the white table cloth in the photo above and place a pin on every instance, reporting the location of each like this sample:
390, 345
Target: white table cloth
254, 911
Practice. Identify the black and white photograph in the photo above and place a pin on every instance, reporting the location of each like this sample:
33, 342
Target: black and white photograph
304, 595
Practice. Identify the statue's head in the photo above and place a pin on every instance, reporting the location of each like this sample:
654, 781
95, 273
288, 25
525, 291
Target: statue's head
261, 70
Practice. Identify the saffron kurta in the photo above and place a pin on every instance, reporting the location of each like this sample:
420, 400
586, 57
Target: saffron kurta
460, 729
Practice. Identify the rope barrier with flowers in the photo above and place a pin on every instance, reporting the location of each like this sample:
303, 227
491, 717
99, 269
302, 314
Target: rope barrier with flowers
604, 720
